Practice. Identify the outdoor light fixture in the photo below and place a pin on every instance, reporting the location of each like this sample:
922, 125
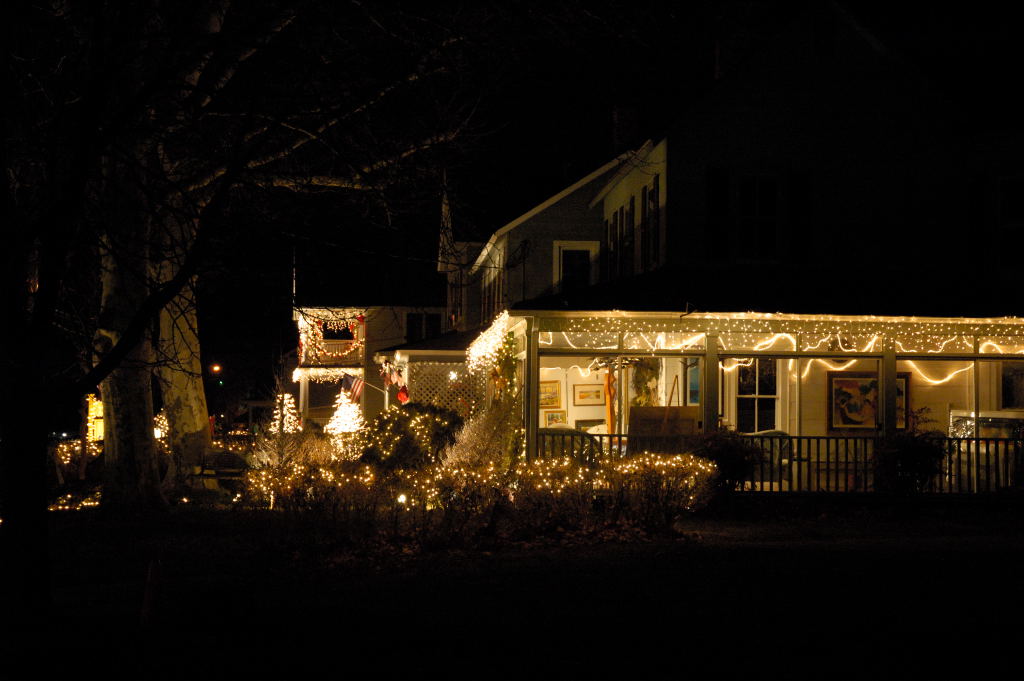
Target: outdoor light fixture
215, 368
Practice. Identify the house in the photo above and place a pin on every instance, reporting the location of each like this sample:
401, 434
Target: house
335, 342
826, 178
553, 247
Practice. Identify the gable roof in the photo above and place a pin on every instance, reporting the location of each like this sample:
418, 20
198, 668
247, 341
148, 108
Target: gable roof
541, 207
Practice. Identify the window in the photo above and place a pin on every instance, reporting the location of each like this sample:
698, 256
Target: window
413, 327
692, 382
1012, 385
573, 264
756, 395
419, 326
627, 217
650, 227
575, 270
455, 286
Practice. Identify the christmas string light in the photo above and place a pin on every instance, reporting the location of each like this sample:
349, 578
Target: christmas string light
937, 381
324, 374
484, 350
762, 331
285, 418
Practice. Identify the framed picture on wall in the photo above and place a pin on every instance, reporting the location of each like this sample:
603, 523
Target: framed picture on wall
550, 394
587, 424
587, 395
555, 417
853, 400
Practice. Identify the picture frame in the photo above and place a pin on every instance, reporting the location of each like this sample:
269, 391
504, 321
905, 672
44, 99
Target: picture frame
555, 417
587, 424
550, 394
588, 395
853, 400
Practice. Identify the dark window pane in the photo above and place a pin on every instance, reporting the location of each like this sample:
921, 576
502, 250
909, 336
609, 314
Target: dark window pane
413, 327
655, 220
765, 413
575, 269
746, 379
1013, 385
432, 327
766, 377
745, 415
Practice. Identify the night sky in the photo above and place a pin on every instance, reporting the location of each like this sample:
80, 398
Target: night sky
546, 90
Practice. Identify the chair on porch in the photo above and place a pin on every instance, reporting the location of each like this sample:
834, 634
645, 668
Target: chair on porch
772, 472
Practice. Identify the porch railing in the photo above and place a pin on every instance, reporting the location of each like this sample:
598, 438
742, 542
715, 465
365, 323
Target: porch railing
818, 463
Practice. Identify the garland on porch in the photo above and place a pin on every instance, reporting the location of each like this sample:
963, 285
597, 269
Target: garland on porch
312, 345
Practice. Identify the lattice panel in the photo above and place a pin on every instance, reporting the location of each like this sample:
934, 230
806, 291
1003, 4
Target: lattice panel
432, 383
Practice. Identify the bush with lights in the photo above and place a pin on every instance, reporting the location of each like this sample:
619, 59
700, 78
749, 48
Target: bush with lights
653, 490
411, 436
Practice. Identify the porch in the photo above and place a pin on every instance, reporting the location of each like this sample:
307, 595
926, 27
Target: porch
791, 463
815, 392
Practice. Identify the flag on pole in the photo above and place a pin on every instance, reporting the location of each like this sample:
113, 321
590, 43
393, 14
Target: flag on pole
353, 385
357, 389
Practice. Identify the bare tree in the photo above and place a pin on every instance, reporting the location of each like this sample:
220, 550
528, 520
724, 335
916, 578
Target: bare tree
134, 129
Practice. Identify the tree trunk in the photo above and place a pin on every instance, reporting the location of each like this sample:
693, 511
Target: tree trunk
181, 383
130, 466
131, 471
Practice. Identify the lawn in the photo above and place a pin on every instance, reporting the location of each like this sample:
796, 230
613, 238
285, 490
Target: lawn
840, 585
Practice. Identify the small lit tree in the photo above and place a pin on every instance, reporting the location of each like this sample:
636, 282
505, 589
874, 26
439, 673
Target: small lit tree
345, 425
286, 417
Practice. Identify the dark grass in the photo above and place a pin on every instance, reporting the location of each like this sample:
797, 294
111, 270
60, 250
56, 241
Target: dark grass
833, 587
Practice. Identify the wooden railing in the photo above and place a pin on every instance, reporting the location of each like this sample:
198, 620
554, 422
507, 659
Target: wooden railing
817, 464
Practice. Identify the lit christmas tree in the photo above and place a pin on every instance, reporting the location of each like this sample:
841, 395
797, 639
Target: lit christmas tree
286, 416
347, 420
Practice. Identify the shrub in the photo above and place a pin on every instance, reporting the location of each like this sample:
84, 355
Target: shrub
553, 495
411, 436
734, 455
906, 463
492, 437
652, 490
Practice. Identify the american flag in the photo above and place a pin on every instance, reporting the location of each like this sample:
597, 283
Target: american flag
353, 385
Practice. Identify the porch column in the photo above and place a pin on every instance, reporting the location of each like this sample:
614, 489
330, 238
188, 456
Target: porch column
887, 389
709, 384
532, 379
304, 398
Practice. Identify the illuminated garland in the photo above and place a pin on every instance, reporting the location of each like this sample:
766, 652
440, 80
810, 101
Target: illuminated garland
94, 415
760, 332
324, 374
69, 450
161, 426
71, 502
311, 324
483, 352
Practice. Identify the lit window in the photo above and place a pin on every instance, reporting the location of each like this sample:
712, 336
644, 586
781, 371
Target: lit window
756, 396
